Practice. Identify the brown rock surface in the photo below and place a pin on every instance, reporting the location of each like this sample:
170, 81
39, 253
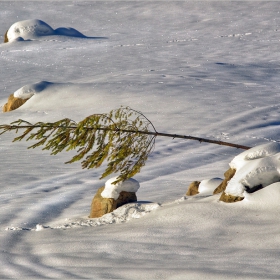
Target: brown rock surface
126, 197
228, 175
101, 206
6, 40
13, 103
230, 198
193, 188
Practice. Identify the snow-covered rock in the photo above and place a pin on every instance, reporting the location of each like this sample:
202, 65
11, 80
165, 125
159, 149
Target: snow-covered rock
28, 29
205, 187
29, 90
255, 168
20, 96
34, 28
112, 196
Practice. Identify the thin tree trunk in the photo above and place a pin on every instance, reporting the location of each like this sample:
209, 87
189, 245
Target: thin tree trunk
188, 137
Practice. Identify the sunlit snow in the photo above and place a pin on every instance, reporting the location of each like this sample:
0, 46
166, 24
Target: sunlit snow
257, 167
207, 69
113, 190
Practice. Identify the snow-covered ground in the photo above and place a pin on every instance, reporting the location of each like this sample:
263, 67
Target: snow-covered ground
208, 69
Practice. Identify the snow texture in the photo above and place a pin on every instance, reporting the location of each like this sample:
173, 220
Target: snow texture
35, 28
255, 168
207, 186
28, 91
113, 190
28, 29
121, 215
207, 69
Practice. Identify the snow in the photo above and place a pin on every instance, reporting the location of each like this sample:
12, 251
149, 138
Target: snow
35, 28
113, 190
27, 29
207, 69
258, 152
28, 91
122, 214
267, 197
257, 166
207, 186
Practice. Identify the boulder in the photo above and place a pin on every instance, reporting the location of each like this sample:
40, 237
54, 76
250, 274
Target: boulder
193, 188
126, 197
6, 40
29, 29
221, 188
230, 198
101, 206
228, 175
13, 103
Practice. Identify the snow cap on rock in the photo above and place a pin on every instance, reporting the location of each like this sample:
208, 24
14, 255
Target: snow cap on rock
29, 90
255, 168
28, 29
207, 186
257, 152
114, 190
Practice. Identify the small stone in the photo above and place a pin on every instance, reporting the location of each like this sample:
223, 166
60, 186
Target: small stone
193, 188
230, 198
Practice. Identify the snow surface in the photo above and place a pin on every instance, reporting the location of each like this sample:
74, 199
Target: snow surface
113, 190
208, 69
207, 186
257, 166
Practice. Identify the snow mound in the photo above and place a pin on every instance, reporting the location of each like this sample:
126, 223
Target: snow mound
257, 152
256, 168
207, 187
68, 31
267, 197
122, 214
34, 28
28, 29
114, 190
29, 90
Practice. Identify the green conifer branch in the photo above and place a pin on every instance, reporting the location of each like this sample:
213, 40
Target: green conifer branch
123, 138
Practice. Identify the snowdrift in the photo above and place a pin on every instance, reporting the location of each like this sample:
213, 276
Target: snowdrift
255, 168
35, 28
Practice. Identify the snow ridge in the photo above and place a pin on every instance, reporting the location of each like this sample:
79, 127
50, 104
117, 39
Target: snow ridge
122, 214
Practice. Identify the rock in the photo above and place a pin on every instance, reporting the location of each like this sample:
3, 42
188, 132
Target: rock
126, 197
29, 29
13, 103
193, 188
228, 175
230, 198
101, 206
221, 188
6, 40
